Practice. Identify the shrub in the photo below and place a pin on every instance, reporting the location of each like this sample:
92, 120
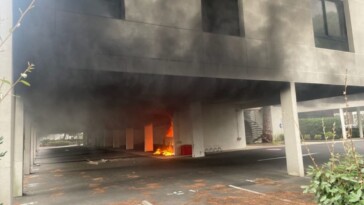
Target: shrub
317, 137
329, 135
339, 181
307, 137
313, 126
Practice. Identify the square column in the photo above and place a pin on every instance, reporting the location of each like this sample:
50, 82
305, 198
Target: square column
148, 138
33, 147
291, 131
360, 123
116, 138
18, 148
27, 145
85, 139
241, 127
343, 126
198, 146
6, 105
129, 138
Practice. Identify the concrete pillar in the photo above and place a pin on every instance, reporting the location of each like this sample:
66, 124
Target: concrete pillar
129, 138
291, 131
198, 147
360, 124
148, 138
6, 105
85, 139
241, 127
18, 148
33, 147
27, 144
116, 138
109, 139
176, 134
342, 120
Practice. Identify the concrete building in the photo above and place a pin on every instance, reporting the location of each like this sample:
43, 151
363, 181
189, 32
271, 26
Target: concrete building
118, 69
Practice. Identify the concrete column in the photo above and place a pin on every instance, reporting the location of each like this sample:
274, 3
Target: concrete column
291, 131
360, 124
18, 148
148, 138
109, 139
342, 120
27, 144
198, 147
129, 138
241, 127
84, 139
6, 106
116, 138
33, 147
176, 134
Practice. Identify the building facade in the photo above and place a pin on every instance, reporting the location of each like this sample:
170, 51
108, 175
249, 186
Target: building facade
111, 68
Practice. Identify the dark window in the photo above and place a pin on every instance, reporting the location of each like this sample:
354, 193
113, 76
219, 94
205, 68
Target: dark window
105, 8
221, 16
329, 24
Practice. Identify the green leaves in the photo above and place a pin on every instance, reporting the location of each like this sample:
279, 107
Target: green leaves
25, 82
339, 181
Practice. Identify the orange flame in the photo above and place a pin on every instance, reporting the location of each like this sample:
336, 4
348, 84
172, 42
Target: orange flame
167, 151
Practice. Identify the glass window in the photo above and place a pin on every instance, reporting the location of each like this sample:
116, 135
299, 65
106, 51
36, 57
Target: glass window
221, 16
329, 24
105, 8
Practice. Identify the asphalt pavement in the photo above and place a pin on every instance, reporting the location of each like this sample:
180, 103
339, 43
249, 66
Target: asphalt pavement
79, 175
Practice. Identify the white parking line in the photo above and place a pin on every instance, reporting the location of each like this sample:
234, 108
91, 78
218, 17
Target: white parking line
254, 192
304, 155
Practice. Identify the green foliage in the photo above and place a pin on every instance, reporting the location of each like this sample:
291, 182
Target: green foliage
317, 137
307, 137
329, 135
339, 181
313, 126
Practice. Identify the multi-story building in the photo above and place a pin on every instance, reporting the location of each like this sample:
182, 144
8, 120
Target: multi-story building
125, 71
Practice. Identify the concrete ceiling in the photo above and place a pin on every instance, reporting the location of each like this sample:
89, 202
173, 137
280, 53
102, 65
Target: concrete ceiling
73, 99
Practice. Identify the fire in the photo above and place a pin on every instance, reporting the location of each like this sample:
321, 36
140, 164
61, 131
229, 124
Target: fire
166, 151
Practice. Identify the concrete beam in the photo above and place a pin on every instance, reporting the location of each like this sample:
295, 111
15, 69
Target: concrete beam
18, 148
198, 147
291, 131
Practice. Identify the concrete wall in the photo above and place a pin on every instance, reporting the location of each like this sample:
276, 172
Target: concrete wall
166, 38
277, 125
183, 133
220, 128
220, 125
159, 133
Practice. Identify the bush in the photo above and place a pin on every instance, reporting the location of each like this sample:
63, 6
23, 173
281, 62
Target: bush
307, 137
317, 137
339, 181
313, 126
329, 135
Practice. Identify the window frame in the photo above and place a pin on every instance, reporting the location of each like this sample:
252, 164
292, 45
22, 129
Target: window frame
204, 15
342, 23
